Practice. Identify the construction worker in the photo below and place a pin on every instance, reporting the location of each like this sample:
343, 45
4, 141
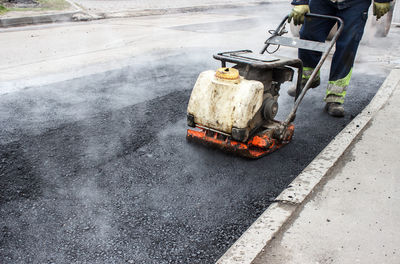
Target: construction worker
354, 13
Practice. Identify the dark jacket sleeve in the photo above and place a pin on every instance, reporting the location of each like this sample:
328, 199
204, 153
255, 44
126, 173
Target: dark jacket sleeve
305, 2
380, 1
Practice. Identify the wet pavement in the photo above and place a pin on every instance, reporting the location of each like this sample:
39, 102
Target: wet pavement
97, 169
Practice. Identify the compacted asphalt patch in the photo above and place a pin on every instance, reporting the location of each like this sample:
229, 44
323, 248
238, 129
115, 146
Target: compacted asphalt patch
98, 170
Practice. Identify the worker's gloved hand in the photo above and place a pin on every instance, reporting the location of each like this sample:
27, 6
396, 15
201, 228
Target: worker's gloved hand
298, 13
380, 9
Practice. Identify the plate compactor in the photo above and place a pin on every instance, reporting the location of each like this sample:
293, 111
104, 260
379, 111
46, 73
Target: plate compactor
234, 108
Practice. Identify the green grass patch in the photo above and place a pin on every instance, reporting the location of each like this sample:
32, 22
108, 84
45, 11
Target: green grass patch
3, 10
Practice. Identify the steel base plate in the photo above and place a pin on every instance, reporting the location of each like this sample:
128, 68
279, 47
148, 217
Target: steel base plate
256, 147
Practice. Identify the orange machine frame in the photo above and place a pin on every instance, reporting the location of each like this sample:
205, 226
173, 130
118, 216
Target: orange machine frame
257, 146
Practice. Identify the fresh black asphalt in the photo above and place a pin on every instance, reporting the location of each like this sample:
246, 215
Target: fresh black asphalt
97, 169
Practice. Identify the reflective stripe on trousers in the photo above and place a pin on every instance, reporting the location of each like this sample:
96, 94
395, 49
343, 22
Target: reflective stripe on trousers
336, 90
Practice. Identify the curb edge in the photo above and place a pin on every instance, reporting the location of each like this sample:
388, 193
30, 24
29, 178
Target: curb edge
177, 10
69, 16
273, 219
40, 19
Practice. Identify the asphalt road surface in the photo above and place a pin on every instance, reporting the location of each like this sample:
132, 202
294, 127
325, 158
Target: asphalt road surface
97, 169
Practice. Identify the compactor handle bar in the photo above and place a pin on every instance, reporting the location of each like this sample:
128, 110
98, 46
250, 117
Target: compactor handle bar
277, 39
280, 30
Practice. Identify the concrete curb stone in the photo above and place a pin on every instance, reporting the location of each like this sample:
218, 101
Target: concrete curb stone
80, 14
199, 8
39, 19
23, 20
272, 221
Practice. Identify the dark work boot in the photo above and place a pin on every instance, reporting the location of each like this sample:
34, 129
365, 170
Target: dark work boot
335, 109
315, 83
